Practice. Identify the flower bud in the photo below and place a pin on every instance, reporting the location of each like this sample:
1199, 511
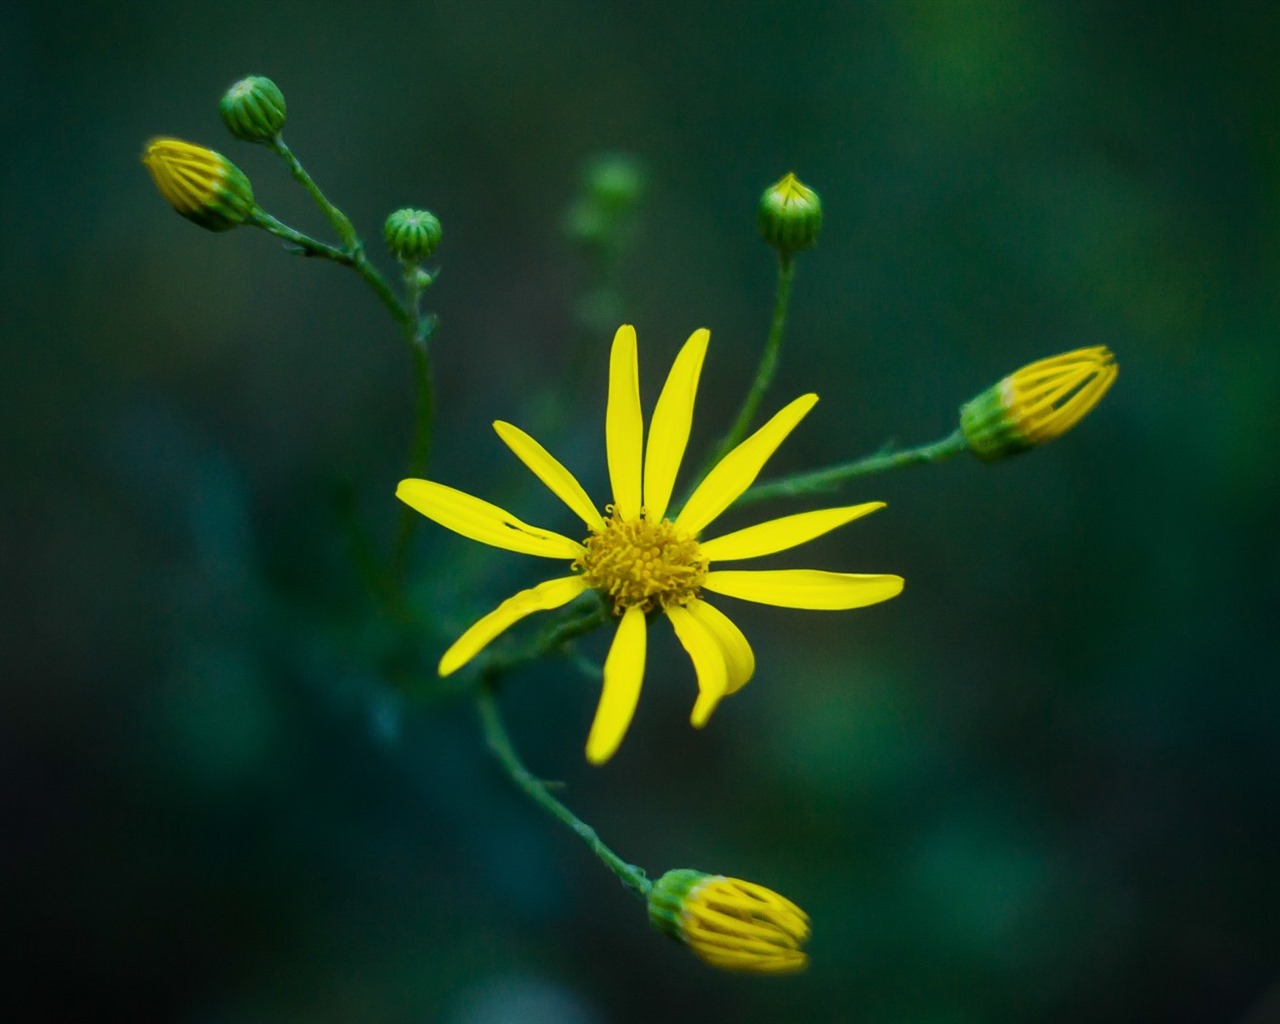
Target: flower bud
729, 923
200, 184
790, 215
412, 235
615, 181
253, 109
1037, 403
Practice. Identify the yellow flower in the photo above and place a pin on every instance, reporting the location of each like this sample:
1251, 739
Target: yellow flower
640, 559
729, 923
1037, 403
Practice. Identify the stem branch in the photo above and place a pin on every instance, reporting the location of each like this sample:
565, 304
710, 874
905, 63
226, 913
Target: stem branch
824, 480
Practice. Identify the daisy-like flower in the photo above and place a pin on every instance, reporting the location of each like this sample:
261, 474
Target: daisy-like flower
641, 560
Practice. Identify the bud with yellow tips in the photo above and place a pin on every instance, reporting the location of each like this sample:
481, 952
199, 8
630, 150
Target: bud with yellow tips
202, 185
1037, 403
729, 923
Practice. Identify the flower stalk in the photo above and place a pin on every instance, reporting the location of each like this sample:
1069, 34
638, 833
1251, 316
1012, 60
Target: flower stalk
823, 481
767, 367
499, 743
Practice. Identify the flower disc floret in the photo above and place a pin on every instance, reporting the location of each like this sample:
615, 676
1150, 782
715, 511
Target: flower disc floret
642, 563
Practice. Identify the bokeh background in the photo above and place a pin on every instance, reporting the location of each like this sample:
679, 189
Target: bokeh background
1042, 785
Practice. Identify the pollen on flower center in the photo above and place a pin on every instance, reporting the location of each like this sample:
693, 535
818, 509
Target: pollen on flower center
642, 562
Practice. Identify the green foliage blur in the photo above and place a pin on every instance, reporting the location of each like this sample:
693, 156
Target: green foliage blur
1041, 786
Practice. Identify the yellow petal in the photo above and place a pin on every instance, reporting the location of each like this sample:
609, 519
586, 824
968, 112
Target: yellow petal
623, 425
739, 469
781, 534
805, 588
477, 519
563, 484
542, 598
708, 661
623, 673
669, 429
739, 659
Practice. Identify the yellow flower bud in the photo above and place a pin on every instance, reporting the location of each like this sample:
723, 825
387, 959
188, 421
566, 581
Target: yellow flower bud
203, 186
729, 923
1037, 403
790, 215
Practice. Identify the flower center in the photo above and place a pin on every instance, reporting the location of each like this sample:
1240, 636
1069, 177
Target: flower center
640, 562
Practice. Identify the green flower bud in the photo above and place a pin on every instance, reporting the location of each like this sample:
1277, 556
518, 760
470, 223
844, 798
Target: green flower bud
730, 923
253, 109
203, 186
790, 215
1037, 403
615, 181
412, 235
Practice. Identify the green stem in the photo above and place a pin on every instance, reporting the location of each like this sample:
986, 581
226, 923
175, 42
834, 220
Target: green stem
829, 479
259, 218
765, 371
351, 244
499, 742
356, 259
380, 287
341, 224
424, 418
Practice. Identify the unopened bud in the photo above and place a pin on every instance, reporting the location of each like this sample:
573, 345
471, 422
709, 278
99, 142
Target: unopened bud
202, 185
253, 109
790, 215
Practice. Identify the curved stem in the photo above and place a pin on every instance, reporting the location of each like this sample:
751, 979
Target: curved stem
337, 218
829, 479
352, 248
499, 742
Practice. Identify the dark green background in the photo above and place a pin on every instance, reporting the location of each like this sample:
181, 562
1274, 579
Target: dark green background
1042, 785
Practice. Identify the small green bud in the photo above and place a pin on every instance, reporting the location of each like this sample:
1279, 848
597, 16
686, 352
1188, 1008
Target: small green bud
412, 235
601, 216
253, 109
202, 185
615, 181
790, 215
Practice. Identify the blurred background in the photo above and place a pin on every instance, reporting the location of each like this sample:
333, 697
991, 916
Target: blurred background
1042, 785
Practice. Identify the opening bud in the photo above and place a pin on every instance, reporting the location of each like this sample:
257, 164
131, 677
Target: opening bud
412, 235
729, 923
790, 215
202, 185
253, 109
1037, 403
